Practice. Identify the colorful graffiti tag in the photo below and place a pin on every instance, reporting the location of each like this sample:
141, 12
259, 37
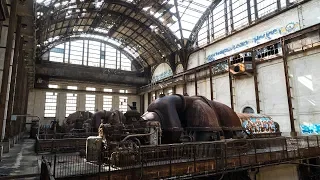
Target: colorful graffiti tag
310, 128
257, 125
256, 40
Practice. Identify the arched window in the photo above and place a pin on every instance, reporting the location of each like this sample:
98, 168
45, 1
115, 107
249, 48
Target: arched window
90, 53
248, 110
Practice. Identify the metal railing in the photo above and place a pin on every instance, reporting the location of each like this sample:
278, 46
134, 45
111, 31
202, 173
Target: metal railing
188, 159
60, 145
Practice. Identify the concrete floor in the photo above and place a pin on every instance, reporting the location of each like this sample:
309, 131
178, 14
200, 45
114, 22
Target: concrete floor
21, 160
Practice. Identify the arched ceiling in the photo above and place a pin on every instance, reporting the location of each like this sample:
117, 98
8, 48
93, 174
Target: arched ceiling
153, 29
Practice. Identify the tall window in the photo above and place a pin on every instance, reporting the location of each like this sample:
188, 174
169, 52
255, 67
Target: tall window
123, 104
50, 107
107, 100
123, 91
90, 100
90, 53
71, 104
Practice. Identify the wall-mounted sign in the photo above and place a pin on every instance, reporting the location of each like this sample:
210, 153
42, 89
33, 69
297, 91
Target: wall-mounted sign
162, 71
254, 41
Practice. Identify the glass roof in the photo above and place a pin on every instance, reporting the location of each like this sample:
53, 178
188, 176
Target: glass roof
150, 29
189, 11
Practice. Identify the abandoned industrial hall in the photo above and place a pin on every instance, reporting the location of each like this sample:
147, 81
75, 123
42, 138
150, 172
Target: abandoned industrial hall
160, 89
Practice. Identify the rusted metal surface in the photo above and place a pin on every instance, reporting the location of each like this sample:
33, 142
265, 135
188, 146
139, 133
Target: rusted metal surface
256, 83
288, 88
193, 159
60, 145
195, 118
230, 85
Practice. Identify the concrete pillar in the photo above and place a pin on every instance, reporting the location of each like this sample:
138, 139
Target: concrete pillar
61, 106
115, 102
17, 52
99, 100
81, 100
6, 77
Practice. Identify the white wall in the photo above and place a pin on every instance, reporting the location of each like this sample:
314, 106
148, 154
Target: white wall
204, 88
221, 89
305, 78
179, 89
273, 95
244, 93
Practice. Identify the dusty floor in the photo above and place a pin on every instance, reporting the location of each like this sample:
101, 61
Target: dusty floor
21, 159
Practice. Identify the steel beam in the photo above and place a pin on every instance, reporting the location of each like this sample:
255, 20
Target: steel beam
255, 80
179, 22
255, 7
249, 12
94, 74
288, 87
6, 68
226, 18
230, 85
211, 83
196, 83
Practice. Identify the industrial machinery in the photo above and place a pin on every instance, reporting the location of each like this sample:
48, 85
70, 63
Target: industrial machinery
170, 119
78, 122
258, 125
241, 64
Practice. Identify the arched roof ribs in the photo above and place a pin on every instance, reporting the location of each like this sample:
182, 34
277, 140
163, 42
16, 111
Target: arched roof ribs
157, 44
203, 18
166, 31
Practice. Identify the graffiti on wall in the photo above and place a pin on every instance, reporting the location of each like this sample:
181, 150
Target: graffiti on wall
162, 76
162, 71
256, 40
308, 128
257, 125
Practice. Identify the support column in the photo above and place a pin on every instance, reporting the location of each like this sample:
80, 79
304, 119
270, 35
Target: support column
149, 98
249, 11
255, 79
211, 83
195, 83
255, 7
174, 89
141, 104
6, 68
288, 88
17, 50
184, 85
19, 90
231, 86
1, 23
